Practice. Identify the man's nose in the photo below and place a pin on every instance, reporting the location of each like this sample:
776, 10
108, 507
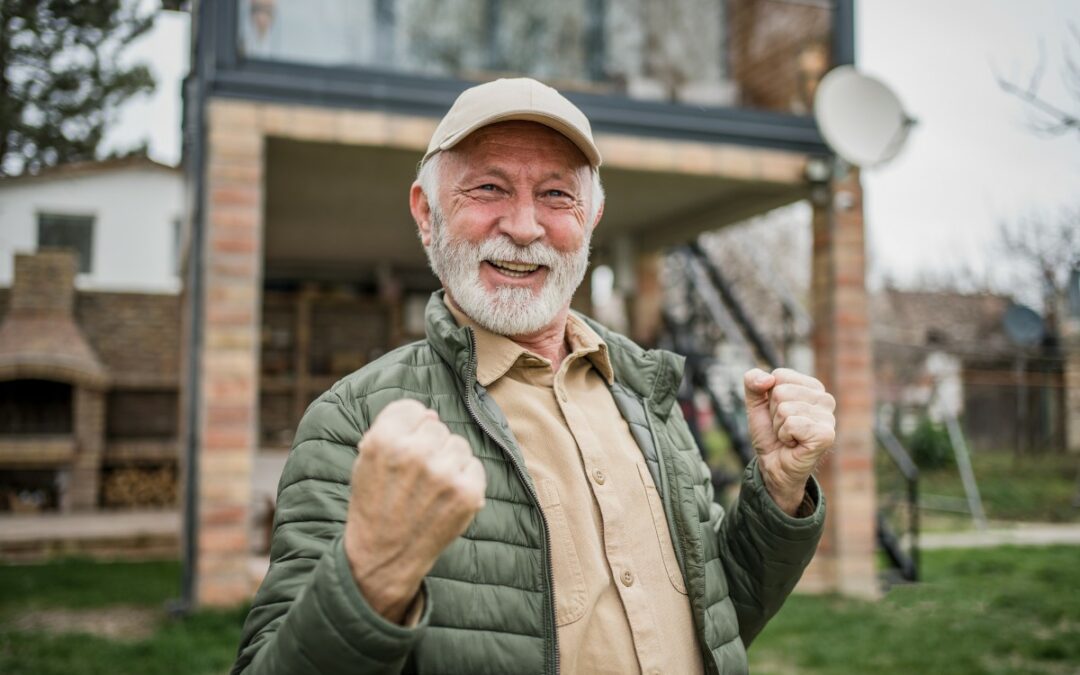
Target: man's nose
520, 223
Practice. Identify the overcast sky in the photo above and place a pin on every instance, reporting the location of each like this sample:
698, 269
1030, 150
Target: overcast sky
971, 161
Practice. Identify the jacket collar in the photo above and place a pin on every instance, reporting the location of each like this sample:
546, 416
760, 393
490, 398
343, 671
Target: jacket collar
652, 374
497, 354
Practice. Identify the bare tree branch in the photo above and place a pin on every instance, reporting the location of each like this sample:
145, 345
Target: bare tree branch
1050, 119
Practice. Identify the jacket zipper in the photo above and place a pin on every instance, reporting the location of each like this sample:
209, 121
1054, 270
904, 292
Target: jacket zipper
469, 393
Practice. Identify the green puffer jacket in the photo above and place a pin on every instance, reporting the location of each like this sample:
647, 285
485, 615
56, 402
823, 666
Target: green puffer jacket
489, 598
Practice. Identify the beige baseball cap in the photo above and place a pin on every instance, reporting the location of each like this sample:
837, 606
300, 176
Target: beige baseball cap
520, 98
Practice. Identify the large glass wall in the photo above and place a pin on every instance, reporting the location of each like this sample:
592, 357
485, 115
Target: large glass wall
751, 53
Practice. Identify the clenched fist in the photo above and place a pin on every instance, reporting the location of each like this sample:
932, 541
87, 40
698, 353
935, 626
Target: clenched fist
415, 488
791, 426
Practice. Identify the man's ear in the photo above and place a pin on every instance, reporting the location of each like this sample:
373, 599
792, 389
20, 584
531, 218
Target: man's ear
421, 212
599, 214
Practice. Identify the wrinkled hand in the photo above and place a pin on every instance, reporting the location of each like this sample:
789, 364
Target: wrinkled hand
415, 488
791, 426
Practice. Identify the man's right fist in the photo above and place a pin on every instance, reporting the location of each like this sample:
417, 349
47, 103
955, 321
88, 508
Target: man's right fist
415, 488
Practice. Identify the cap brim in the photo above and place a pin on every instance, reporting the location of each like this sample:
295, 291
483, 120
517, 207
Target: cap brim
583, 142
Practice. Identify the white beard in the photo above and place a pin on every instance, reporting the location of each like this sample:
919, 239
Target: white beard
507, 310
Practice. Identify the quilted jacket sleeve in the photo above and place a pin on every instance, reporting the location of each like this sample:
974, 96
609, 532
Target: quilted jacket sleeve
764, 550
309, 615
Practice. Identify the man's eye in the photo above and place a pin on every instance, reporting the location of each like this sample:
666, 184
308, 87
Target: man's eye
488, 187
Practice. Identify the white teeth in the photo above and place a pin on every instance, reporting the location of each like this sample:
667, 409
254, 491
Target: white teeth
506, 265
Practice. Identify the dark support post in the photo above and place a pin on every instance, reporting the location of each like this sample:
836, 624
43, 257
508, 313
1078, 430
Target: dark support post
843, 33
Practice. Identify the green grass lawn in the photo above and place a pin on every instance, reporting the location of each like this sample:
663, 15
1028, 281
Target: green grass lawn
85, 592
1006, 610
1035, 488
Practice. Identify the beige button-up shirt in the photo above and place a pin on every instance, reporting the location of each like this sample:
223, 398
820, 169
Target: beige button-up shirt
620, 601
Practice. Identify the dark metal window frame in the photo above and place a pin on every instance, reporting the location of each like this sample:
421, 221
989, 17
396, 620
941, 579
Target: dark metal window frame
232, 75
85, 221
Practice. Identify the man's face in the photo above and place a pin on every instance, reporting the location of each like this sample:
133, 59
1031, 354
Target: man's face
509, 235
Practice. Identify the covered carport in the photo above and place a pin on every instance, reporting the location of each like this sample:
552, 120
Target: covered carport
306, 232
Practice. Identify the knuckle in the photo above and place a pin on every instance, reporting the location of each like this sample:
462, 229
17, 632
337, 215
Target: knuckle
783, 374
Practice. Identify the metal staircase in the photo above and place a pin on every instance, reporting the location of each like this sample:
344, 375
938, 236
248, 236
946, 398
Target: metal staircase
710, 318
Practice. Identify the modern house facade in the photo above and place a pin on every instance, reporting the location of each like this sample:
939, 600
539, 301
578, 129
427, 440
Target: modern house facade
304, 123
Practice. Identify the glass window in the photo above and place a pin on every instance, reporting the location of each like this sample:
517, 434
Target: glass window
71, 232
751, 53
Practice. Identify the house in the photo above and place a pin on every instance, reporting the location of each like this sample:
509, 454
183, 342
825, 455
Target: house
304, 124
121, 216
941, 354
89, 336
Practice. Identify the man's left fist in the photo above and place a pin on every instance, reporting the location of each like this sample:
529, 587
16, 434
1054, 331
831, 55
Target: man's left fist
791, 426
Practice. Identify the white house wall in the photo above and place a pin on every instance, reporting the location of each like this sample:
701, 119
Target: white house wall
134, 237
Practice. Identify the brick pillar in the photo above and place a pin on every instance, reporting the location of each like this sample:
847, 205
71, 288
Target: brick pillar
647, 302
846, 560
229, 366
1070, 341
84, 479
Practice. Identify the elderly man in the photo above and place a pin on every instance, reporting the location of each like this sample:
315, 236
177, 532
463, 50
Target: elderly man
519, 493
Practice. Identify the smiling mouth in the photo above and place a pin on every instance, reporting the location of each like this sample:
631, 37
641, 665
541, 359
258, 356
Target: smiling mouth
513, 269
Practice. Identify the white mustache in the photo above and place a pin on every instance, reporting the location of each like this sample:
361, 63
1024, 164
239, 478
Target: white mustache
502, 249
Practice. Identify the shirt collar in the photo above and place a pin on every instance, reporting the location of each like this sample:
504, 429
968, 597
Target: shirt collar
497, 354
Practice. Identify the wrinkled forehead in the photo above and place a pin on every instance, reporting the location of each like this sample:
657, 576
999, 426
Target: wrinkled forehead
519, 142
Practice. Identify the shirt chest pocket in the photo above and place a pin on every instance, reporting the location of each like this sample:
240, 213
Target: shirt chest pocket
663, 534
566, 564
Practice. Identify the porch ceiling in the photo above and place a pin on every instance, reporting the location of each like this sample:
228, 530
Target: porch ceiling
333, 209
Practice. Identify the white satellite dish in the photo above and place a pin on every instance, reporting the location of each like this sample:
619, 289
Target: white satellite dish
860, 118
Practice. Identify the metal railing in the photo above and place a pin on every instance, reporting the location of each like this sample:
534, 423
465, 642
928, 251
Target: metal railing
905, 561
709, 290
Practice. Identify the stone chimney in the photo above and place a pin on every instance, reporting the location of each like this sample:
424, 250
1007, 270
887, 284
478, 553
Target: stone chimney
44, 283
39, 338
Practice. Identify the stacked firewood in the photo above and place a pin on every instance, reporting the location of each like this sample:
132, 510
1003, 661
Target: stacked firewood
140, 486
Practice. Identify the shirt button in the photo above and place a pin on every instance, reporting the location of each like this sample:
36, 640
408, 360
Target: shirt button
627, 578
599, 477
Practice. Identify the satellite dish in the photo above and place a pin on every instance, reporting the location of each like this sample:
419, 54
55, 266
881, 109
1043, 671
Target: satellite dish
861, 119
1023, 325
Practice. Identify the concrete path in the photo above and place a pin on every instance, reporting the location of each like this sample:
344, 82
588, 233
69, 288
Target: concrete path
100, 525
1023, 534
105, 535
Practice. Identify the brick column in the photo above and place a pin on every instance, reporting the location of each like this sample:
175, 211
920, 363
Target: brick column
846, 560
646, 305
229, 366
89, 431
1070, 341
